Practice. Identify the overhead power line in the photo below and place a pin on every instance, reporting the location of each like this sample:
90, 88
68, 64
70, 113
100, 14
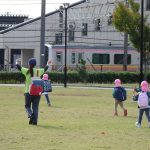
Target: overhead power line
25, 2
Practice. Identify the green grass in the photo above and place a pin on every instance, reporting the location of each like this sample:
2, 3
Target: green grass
79, 119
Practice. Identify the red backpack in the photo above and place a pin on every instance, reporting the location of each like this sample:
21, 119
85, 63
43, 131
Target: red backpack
36, 86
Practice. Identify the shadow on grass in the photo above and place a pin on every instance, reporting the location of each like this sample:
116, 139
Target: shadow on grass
50, 127
132, 116
125, 116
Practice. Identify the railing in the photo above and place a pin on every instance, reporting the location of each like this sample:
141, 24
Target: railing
93, 67
7, 67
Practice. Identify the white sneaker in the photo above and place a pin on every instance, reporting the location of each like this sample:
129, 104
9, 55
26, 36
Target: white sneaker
137, 125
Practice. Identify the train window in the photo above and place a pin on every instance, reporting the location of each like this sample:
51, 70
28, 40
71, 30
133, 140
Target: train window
100, 59
80, 56
59, 57
148, 5
118, 58
73, 58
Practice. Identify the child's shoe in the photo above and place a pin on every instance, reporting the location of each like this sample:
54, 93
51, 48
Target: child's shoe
115, 114
138, 125
49, 104
31, 119
125, 112
34, 123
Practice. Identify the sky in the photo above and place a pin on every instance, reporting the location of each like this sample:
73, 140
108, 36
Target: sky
31, 8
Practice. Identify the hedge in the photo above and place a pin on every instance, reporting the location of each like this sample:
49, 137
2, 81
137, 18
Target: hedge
75, 77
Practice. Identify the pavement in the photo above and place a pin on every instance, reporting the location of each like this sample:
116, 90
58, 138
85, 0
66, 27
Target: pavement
70, 86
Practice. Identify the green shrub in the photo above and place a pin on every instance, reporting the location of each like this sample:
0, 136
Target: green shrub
76, 77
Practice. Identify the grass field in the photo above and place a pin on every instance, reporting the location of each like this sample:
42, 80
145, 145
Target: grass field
79, 119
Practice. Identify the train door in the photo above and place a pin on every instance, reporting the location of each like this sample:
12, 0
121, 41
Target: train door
73, 58
48, 54
1, 59
59, 64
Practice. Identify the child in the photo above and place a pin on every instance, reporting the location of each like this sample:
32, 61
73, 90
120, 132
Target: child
119, 94
143, 103
47, 88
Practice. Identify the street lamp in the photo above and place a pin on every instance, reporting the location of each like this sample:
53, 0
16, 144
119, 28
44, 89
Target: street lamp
65, 67
141, 51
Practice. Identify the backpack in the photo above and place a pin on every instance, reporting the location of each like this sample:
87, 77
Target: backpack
143, 99
120, 93
47, 87
36, 86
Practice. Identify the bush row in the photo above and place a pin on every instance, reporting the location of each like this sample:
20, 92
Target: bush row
75, 77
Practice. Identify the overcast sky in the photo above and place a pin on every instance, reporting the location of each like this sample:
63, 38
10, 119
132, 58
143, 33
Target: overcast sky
32, 8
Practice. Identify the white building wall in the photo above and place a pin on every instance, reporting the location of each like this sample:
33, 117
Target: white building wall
51, 27
89, 13
27, 37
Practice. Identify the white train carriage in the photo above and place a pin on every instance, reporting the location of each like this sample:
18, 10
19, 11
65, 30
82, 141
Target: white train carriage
101, 59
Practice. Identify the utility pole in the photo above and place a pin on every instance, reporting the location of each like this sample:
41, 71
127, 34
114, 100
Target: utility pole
125, 48
42, 37
65, 67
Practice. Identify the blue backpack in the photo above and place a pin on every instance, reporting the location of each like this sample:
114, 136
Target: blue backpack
120, 93
47, 86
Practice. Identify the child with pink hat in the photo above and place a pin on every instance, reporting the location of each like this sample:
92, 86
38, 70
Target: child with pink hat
119, 94
47, 88
143, 103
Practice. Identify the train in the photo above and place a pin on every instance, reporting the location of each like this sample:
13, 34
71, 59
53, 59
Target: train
97, 58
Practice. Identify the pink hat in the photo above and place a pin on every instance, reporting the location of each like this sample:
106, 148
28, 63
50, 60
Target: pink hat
144, 86
117, 82
45, 77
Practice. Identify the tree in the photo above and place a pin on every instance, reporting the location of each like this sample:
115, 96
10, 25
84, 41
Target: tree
126, 18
